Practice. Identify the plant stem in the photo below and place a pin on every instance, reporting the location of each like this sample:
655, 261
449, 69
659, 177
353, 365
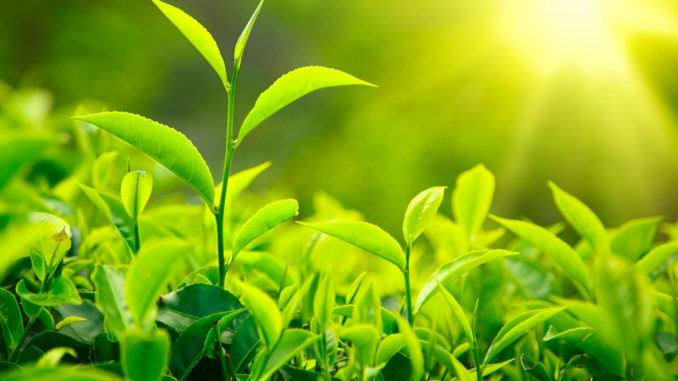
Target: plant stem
137, 240
20, 343
408, 291
230, 146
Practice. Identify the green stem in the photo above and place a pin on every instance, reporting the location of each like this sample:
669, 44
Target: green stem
230, 147
222, 357
408, 291
137, 240
15, 351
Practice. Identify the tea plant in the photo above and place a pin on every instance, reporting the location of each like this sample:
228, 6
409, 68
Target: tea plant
108, 273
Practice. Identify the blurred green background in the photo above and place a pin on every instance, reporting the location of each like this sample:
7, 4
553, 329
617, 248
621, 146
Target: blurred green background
581, 92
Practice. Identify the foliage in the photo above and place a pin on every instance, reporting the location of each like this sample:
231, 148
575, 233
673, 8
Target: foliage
107, 272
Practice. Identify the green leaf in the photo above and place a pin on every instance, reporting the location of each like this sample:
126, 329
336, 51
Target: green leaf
164, 144
115, 213
364, 338
198, 36
291, 87
388, 347
148, 276
413, 349
516, 328
323, 301
455, 268
265, 311
135, 191
581, 218
144, 357
244, 36
588, 341
264, 220
292, 342
472, 197
50, 250
460, 370
62, 291
420, 212
364, 235
560, 252
199, 300
11, 324
60, 373
656, 257
458, 313
537, 370
18, 151
635, 238
52, 357
110, 299
238, 182
102, 168
68, 320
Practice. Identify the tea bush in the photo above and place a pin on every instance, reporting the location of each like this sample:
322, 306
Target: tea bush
110, 270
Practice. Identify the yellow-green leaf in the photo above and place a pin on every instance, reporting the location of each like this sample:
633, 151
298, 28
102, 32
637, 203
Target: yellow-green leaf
198, 36
164, 144
244, 36
421, 211
472, 197
265, 311
144, 356
264, 220
364, 235
291, 87
135, 191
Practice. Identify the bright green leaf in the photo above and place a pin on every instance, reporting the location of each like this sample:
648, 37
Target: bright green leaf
472, 197
164, 144
114, 211
198, 36
265, 311
323, 301
244, 36
559, 251
148, 275
364, 338
421, 211
292, 342
635, 238
388, 347
144, 357
455, 268
413, 349
458, 313
516, 328
656, 257
264, 220
581, 218
291, 87
135, 191
68, 320
102, 168
110, 299
61, 291
364, 235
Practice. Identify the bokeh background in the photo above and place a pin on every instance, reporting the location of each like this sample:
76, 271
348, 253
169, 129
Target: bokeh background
581, 92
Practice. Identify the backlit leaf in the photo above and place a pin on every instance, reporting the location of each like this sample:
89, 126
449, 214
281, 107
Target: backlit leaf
144, 357
244, 36
264, 220
364, 235
110, 299
472, 197
164, 144
421, 211
291, 87
265, 311
292, 342
135, 191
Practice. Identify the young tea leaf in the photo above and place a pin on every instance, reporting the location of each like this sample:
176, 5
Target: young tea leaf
323, 301
458, 312
656, 257
364, 235
266, 314
518, 327
291, 87
455, 268
420, 212
364, 338
198, 36
413, 349
472, 197
62, 291
264, 220
135, 191
560, 252
148, 275
635, 238
114, 211
581, 218
164, 144
388, 347
244, 36
143, 356
110, 299
292, 342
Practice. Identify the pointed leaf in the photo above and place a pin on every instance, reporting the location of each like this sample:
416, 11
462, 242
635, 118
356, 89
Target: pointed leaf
388, 347
114, 211
135, 191
110, 299
458, 312
455, 268
657, 257
518, 327
364, 338
264, 220
581, 218
164, 144
244, 36
364, 235
472, 197
11, 325
291, 87
421, 211
635, 238
265, 311
323, 301
292, 342
560, 252
198, 36
144, 357
148, 276
62, 291
413, 349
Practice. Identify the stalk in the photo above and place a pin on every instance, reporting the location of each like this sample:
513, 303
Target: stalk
230, 147
408, 291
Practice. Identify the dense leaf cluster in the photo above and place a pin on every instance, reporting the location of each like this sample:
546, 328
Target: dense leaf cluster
107, 272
